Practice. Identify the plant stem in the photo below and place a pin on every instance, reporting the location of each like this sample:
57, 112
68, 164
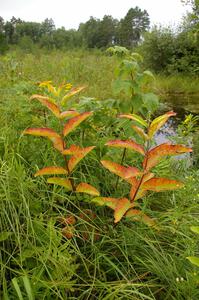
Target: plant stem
66, 162
122, 160
144, 173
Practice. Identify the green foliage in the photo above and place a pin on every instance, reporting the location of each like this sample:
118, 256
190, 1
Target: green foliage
141, 180
158, 48
94, 33
101, 261
166, 50
3, 44
132, 26
193, 259
134, 83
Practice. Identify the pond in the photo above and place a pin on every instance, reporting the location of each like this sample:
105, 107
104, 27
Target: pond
183, 105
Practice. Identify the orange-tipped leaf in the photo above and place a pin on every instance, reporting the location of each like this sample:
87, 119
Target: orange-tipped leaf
47, 103
51, 170
155, 154
68, 114
75, 159
47, 132
140, 132
72, 150
87, 189
122, 206
158, 122
74, 122
161, 184
71, 93
60, 181
134, 117
110, 202
55, 138
123, 172
128, 144
138, 215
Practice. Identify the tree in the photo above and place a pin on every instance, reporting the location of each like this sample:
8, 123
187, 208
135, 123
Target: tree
90, 32
31, 29
47, 26
192, 20
107, 31
131, 28
1, 25
158, 48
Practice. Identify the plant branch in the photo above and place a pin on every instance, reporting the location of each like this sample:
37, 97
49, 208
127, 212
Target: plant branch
122, 160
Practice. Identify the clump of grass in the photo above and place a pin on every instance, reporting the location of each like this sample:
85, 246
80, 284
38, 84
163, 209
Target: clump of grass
177, 84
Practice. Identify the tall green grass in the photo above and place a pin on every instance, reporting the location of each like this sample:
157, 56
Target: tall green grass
126, 261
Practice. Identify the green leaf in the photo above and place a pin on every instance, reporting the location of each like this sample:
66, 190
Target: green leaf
194, 260
134, 117
28, 288
195, 229
4, 235
130, 66
148, 77
136, 56
17, 288
137, 102
120, 85
60, 181
150, 101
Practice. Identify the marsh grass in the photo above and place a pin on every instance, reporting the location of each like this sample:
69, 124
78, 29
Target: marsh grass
126, 261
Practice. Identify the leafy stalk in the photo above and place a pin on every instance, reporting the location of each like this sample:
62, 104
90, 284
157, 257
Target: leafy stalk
141, 181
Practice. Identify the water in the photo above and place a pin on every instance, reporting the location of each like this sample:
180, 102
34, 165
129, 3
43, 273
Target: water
182, 104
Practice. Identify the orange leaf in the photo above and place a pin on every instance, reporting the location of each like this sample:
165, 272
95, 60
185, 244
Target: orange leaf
58, 143
123, 172
110, 202
72, 150
68, 114
74, 122
157, 123
140, 194
47, 132
68, 220
60, 181
51, 170
50, 105
122, 206
129, 144
87, 188
140, 132
134, 117
161, 184
138, 215
68, 232
156, 153
72, 92
75, 159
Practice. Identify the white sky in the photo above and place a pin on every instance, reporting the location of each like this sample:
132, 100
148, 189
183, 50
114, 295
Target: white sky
69, 13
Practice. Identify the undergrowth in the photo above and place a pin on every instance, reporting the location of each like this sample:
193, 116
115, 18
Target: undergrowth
101, 261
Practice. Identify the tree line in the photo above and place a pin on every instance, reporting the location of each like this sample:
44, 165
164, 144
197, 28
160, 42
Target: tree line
165, 49
94, 33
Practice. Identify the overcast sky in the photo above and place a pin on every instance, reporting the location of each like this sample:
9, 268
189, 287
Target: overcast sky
70, 13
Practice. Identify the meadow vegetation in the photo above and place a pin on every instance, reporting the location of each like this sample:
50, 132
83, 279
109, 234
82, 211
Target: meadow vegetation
55, 244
